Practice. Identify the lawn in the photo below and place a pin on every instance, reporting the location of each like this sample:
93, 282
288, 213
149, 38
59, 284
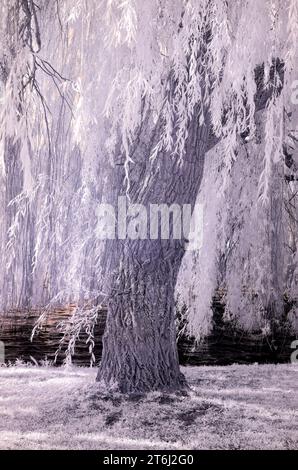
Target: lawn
230, 407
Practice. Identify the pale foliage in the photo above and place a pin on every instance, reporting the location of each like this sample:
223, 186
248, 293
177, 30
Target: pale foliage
102, 69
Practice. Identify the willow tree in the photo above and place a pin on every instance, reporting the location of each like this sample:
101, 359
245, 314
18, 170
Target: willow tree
126, 98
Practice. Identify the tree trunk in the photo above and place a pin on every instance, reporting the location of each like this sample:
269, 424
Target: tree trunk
139, 345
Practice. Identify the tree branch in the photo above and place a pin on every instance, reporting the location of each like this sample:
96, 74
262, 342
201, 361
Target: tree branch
263, 94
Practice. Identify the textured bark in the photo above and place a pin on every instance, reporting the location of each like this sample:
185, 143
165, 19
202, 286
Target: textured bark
139, 345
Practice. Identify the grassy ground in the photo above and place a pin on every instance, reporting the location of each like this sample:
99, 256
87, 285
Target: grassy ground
231, 407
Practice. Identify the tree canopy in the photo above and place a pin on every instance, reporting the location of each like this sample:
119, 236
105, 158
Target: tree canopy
81, 79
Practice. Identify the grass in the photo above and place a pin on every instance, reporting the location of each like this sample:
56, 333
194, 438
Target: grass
230, 407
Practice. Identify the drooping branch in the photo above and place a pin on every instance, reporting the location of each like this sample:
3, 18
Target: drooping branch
263, 94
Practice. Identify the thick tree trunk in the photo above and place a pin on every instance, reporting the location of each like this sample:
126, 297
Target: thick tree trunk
139, 345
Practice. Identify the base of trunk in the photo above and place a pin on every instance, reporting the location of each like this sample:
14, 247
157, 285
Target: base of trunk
139, 345
142, 383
